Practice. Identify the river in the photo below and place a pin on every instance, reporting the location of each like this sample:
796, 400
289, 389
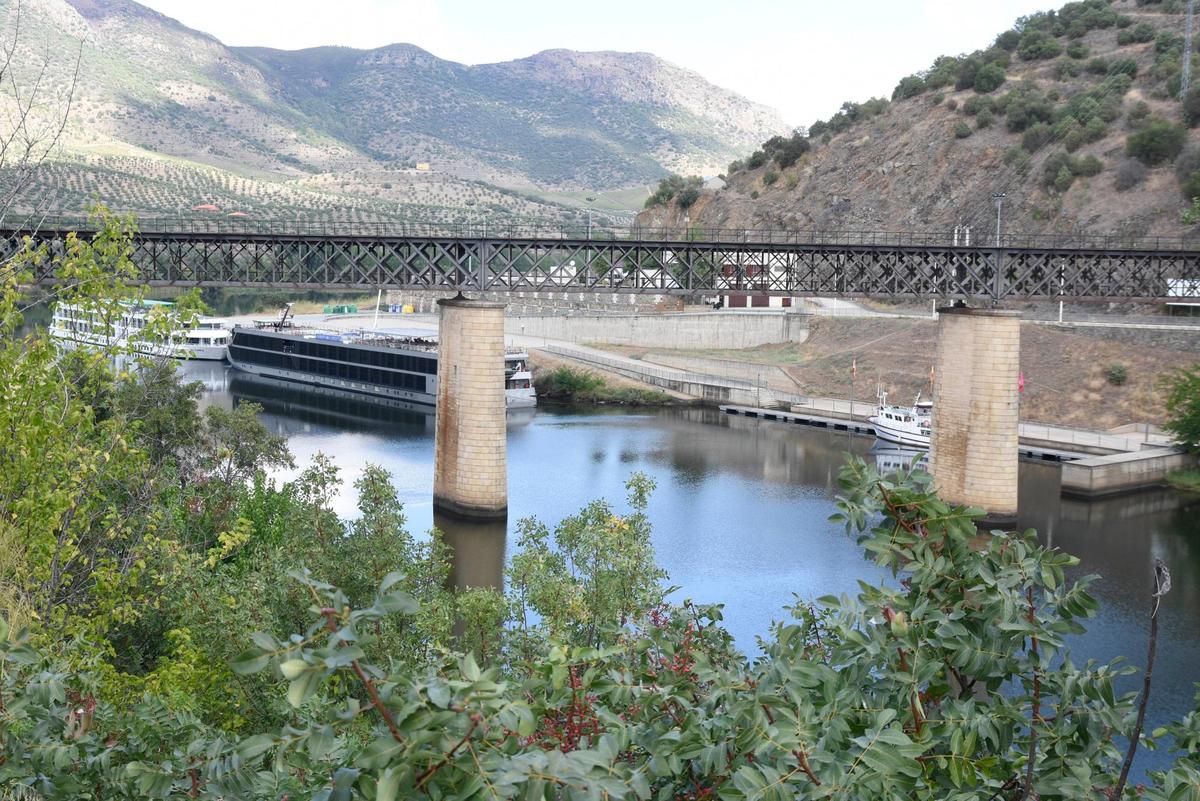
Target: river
740, 513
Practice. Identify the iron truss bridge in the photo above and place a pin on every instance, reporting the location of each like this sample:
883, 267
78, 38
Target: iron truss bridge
527, 258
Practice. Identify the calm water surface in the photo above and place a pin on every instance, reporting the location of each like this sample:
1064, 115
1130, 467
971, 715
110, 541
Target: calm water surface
741, 511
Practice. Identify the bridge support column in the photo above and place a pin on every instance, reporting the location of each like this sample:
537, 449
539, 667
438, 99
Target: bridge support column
470, 450
974, 454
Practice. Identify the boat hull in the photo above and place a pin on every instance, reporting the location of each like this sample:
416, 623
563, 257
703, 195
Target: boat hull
896, 435
358, 388
513, 398
201, 353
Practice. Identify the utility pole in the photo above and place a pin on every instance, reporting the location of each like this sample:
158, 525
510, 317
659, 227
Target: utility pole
1187, 50
998, 198
998, 273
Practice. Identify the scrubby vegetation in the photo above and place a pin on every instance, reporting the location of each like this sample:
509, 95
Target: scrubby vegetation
570, 385
684, 191
1183, 406
1187, 479
1097, 54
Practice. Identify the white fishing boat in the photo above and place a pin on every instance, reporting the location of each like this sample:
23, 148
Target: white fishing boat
207, 341
904, 425
518, 380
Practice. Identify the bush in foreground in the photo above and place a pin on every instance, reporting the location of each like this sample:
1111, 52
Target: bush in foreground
948, 684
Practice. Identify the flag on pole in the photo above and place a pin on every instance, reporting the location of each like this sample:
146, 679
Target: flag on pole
854, 367
931, 375
1021, 382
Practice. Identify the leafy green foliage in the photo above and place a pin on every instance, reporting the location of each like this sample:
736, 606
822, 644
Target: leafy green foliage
1061, 169
989, 78
1025, 106
568, 385
1160, 140
1191, 214
684, 191
1035, 45
962, 130
1183, 406
1139, 33
1035, 136
1191, 107
1116, 374
786, 151
936, 686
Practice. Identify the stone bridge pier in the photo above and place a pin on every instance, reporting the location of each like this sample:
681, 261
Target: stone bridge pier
974, 453
470, 448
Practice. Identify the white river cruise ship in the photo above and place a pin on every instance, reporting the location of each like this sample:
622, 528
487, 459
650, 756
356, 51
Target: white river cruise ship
207, 341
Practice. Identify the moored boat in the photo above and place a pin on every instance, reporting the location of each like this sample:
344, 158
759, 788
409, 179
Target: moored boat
904, 425
386, 366
206, 341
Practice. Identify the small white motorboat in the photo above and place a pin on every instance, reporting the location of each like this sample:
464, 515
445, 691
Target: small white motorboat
904, 425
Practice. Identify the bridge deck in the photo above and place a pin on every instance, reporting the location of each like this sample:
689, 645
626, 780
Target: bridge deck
849, 266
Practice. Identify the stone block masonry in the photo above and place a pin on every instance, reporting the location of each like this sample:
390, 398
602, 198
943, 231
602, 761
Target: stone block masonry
470, 447
723, 330
974, 448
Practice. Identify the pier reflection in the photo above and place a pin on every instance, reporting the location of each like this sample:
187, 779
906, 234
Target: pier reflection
477, 550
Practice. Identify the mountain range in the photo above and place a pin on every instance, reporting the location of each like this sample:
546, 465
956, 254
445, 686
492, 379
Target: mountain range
166, 118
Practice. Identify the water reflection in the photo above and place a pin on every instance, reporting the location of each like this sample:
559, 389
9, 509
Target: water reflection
477, 549
294, 409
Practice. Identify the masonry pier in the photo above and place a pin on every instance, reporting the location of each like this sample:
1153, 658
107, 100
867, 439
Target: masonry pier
974, 449
470, 446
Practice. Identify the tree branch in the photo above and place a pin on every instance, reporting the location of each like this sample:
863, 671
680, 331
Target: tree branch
1162, 585
367, 684
1035, 711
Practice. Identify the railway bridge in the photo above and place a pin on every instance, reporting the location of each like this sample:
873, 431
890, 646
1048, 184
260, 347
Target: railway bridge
974, 443
498, 258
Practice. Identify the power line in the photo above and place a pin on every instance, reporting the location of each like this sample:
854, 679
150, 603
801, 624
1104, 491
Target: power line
1187, 50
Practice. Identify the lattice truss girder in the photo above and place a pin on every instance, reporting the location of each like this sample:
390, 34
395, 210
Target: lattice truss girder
649, 267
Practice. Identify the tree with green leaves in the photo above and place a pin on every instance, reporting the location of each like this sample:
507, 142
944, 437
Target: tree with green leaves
950, 682
1183, 406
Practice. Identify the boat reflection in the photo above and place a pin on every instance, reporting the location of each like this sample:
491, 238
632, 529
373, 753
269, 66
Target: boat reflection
890, 458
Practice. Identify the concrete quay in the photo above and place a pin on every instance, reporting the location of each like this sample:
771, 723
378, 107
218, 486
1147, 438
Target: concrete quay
1084, 473
1097, 476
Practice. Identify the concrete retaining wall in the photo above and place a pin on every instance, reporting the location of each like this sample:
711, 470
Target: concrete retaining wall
1118, 472
700, 330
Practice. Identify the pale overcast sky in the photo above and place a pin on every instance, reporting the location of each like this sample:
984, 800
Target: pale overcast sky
803, 57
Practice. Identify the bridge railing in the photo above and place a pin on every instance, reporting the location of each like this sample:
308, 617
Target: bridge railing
549, 231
